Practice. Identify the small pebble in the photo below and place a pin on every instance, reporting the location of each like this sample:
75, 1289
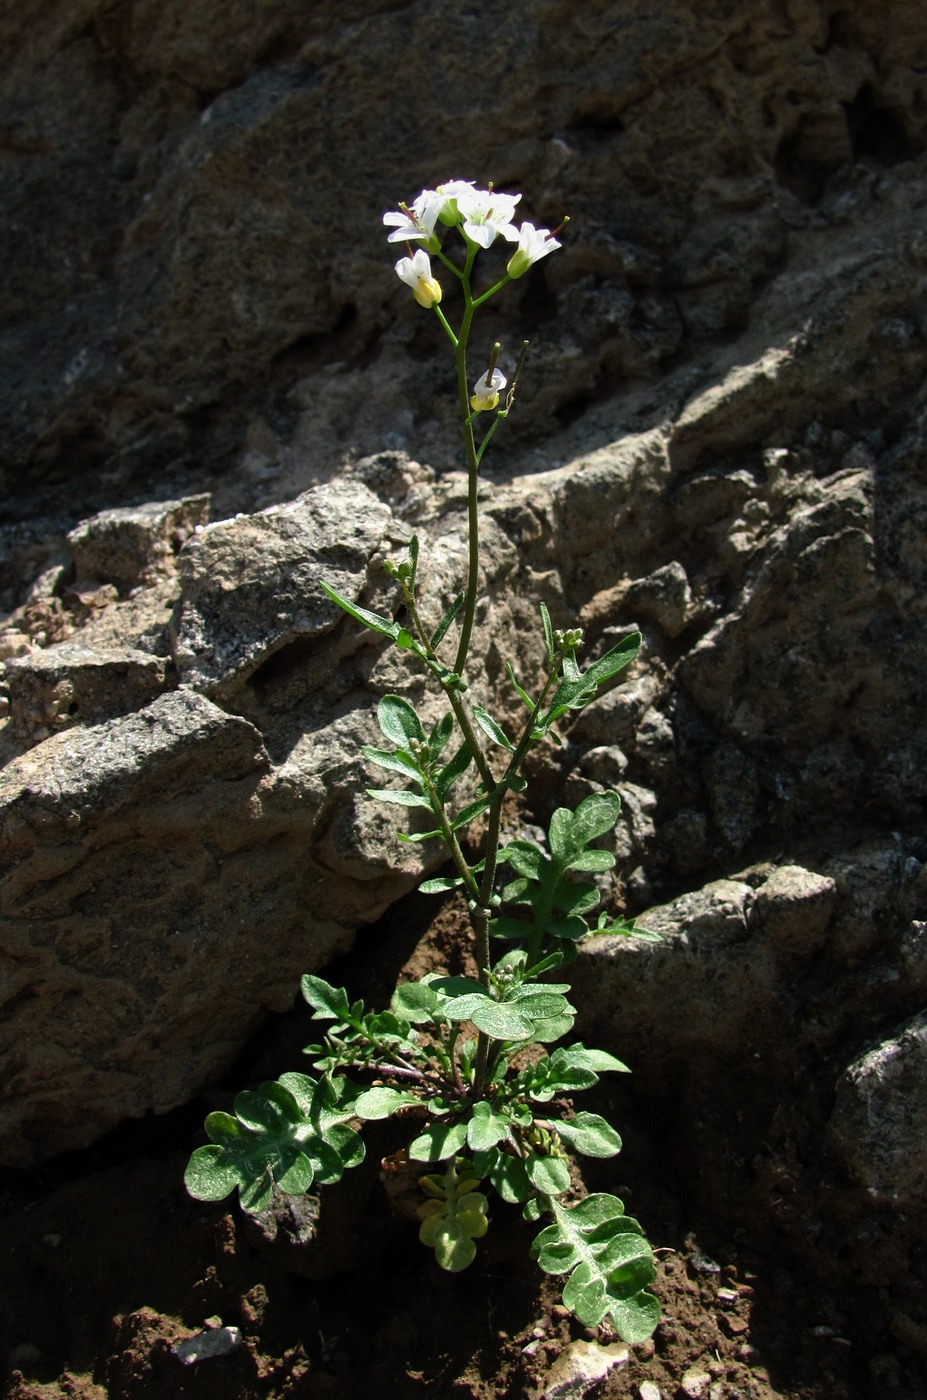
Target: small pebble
694, 1383
217, 1341
703, 1263
648, 1391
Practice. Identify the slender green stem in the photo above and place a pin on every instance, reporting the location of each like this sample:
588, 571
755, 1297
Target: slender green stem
446, 324
473, 524
453, 694
492, 291
495, 807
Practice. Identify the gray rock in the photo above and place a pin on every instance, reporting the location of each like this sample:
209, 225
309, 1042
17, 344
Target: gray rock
70, 683
794, 909
879, 1123
250, 585
127, 545
141, 858
206, 1346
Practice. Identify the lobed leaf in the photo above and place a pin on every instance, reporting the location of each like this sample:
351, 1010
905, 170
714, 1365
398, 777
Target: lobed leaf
609, 1262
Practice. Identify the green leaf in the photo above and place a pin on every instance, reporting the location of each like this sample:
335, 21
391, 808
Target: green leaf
595, 816
457, 986
399, 762
566, 926
609, 1261
509, 1177
549, 1175
453, 770
440, 734
440, 884
525, 858
529, 703
487, 1128
286, 1134
329, 1003
399, 797
470, 812
383, 1102
495, 731
212, 1174
626, 927
591, 1135
437, 637
592, 862
579, 1057
551, 1028
437, 1143
548, 632
374, 621
614, 660
416, 1002
577, 900
503, 927
399, 721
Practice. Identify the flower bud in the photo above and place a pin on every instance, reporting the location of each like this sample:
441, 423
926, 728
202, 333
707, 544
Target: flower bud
416, 273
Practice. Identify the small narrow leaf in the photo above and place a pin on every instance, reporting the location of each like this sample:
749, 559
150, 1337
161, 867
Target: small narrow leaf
548, 632
437, 637
400, 797
399, 762
523, 693
374, 621
486, 722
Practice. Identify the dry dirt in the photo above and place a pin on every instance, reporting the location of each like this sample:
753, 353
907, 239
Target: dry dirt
107, 1264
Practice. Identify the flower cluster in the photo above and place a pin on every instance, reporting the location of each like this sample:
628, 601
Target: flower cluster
481, 215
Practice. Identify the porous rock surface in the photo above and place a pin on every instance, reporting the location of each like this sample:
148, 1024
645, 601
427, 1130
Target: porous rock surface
214, 375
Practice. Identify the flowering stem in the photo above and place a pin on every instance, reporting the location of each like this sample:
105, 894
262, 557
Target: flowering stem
473, 525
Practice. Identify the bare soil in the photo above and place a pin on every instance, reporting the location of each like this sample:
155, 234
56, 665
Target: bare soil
107, 1264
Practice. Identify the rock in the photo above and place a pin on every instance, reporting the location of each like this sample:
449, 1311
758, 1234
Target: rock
694, 1384
206, 1346
127, 545
794, 908
879, 1122
664, 596
69, 683
580, 1369
158, 817
250, 585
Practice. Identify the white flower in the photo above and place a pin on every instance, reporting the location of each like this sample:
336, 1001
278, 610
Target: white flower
416, 271
418, 221
533, 243
486, 391
441, 203
486, 214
